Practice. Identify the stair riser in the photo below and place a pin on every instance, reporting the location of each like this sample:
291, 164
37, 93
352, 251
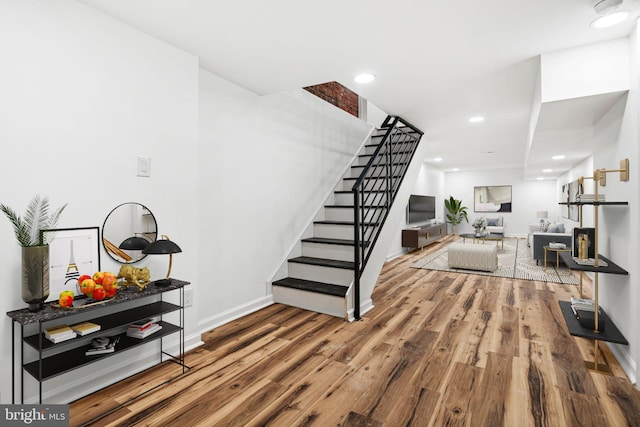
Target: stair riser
331, 231
317, 273
371, 198
344, 214
327, 304
370, 185
320, 250
370, 149
374, 171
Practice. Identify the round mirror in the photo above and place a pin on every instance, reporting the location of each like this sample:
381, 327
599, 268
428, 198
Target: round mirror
127, 230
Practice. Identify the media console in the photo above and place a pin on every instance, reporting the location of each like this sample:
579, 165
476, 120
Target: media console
419, 237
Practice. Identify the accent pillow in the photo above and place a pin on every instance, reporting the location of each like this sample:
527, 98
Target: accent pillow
492, 222
544, 226
556, 228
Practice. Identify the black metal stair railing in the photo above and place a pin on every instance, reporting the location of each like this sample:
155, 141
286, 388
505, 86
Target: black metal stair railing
376, 188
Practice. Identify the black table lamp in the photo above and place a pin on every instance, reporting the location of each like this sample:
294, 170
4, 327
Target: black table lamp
163, 246
134, 243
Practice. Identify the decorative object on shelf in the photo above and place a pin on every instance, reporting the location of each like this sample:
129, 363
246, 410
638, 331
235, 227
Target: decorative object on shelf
456, 212
163, 246
492, 198
35, 249
134, 276
73, 252
583, 242
128, 220
480, 226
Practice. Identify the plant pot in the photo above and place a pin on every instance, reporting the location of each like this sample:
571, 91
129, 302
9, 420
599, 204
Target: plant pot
35, 276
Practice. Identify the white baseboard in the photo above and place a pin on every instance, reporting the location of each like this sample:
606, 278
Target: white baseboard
220, 319
624, 359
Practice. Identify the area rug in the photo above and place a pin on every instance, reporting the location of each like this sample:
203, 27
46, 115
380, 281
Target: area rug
513, 262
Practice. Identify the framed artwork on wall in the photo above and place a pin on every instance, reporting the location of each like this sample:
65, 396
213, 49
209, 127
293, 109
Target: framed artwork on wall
570, 193
492, 198
72, 253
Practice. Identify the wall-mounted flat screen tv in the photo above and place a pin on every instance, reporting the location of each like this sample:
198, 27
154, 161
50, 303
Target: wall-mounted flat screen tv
421, 209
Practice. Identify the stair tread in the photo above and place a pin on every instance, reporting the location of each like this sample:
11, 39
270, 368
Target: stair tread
342, 242
311, 286
323, 262
379, 166
364, 191
372, 177
382, 205
351, 223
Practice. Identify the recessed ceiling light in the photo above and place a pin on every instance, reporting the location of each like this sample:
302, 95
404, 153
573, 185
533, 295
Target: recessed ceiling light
364, 78
611, 19
547, 170
437, 159
558, 157
476, 119
540, 178
455, 169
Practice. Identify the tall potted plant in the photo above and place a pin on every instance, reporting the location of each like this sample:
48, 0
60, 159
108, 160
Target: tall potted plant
35, 251
456, 212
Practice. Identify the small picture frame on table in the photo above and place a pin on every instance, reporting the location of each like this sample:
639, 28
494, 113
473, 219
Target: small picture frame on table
72, 253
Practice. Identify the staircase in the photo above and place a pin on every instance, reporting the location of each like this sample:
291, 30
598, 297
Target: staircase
326, 275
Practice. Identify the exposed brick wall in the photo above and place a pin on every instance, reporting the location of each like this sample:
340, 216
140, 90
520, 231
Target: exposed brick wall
336, 94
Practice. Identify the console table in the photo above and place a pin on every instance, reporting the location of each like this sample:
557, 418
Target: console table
113, 316
419, 237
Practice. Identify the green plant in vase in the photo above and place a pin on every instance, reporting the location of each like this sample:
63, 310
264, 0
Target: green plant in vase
456, 212
35, 251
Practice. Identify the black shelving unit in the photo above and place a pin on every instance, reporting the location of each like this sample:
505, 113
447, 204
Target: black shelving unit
610, 332
603, 328
610, 268
113, 316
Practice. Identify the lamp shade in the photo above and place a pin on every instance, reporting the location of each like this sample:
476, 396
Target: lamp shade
134, 243
542, 214
163, 246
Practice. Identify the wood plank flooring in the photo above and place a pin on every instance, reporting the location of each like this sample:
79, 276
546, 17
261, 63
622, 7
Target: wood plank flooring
439, 349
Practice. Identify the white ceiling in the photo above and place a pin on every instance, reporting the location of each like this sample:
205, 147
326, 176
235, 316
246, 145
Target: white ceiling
437, 63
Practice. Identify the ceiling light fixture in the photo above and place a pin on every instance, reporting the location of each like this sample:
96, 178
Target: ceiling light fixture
364, 78
540, 178
455, 169
476, 119
558, 157
547, 170
437, 159
608, 12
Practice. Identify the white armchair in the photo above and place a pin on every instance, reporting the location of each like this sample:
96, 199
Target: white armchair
495, 225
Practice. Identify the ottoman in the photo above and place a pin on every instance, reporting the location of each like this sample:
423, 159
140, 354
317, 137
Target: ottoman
473, 257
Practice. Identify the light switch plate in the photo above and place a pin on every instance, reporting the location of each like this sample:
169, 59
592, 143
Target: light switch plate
144, 166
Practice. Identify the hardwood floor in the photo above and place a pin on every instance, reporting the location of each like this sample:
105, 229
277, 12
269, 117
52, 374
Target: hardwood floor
438, 349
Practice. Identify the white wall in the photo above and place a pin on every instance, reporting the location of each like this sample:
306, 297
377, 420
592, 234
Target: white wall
587, 70
82, 97
528, 197
617, 136
430, 181
266, 165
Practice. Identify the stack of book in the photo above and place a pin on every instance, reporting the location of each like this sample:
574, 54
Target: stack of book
143, 328
102, 345
588, 198
59, 333
584, 310
85, 328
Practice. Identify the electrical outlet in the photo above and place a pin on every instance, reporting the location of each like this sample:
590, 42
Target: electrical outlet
188, 297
